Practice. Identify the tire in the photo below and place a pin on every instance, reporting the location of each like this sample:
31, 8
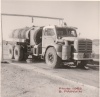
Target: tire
11, 52
18, 53
52, 59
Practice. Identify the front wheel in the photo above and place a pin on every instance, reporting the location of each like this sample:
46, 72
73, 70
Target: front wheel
52, 59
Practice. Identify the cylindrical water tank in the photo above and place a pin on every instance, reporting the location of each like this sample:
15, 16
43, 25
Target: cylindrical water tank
16, 33
22, 33
38, 36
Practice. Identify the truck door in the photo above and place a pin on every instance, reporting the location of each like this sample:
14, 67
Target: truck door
48, 38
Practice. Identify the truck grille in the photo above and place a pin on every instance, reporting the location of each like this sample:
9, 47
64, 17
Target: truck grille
85, 46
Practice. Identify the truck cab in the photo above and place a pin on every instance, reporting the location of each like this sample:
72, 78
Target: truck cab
65, 42
52, 34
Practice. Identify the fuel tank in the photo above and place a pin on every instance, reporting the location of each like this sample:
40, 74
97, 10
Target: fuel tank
66, 51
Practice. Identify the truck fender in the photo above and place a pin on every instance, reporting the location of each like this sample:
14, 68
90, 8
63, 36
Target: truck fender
58, 48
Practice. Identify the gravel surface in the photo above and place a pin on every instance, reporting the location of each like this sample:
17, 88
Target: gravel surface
21, 82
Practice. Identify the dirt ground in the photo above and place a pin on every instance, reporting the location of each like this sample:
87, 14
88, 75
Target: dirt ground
20, 82
17, 81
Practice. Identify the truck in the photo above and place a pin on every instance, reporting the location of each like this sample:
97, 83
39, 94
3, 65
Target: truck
54, 44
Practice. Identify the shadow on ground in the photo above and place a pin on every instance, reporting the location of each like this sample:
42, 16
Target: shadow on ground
89, 66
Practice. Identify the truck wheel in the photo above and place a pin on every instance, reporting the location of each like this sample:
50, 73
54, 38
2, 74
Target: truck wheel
18, 53
11, 52
52, 59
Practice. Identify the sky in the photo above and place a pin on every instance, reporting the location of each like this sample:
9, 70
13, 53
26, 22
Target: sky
83, 15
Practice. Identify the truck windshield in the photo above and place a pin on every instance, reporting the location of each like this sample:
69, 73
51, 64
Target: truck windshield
66, 32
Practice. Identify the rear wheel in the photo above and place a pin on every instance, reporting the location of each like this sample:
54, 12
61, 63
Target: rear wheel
52, 59
11, 51
18, 53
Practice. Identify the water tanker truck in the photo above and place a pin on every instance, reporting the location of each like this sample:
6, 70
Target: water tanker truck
54, 44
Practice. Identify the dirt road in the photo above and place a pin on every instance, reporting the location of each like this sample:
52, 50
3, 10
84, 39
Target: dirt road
29, 80
38, 80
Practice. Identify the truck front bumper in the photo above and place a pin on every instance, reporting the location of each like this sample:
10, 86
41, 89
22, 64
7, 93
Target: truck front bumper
82, 56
